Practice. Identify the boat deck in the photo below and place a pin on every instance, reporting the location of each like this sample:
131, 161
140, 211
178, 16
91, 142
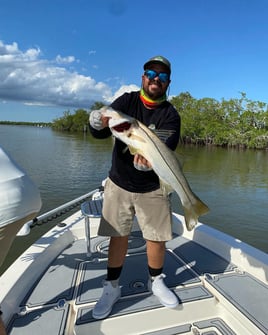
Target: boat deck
209, 288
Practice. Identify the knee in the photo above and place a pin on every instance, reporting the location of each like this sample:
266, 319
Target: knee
156, 245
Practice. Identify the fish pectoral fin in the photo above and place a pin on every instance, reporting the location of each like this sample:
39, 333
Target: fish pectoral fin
166, 188
137, 138
132, 150
135, 151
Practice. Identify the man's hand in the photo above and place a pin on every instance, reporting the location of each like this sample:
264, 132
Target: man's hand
97, 120
141, 164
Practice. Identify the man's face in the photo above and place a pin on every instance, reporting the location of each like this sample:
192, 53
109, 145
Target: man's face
155, 88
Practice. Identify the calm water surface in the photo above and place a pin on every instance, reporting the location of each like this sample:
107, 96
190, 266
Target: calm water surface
233, 183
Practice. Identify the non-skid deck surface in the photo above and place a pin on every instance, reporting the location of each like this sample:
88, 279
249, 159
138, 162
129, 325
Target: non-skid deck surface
247, 293
72, 282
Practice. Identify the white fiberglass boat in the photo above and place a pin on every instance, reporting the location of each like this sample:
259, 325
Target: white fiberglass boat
221, 282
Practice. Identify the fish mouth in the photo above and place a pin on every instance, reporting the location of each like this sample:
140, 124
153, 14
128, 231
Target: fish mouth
119, 125
122, 127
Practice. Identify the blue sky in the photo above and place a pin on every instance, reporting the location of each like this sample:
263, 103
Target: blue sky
59, 55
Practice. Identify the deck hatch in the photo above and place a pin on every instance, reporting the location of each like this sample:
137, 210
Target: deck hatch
247, 293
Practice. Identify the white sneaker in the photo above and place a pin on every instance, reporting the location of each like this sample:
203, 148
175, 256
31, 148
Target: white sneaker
111, 293
162, 292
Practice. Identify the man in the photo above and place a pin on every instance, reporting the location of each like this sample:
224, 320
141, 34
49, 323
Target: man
19, 203
136, 187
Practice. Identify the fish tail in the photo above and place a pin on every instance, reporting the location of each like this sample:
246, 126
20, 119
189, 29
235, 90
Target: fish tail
192, 214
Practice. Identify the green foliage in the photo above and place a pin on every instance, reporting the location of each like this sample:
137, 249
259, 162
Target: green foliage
77, 122
235, 122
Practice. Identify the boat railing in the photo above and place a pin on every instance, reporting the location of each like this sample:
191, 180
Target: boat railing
56, 212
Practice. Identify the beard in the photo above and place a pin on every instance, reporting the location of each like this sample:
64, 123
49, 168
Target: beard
154, 90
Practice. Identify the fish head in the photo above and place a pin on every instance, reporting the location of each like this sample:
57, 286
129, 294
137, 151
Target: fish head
125, 128
119, 123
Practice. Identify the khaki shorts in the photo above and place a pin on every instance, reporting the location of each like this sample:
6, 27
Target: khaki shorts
152, 210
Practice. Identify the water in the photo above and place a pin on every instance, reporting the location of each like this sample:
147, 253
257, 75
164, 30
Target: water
233, 183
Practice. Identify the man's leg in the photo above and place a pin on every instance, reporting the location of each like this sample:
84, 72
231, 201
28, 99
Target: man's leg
156, 256
117, 251
111, 290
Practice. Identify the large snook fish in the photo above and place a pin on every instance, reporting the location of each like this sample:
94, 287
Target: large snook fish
143, 141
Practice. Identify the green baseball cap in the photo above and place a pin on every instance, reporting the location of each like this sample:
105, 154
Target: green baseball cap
158, 59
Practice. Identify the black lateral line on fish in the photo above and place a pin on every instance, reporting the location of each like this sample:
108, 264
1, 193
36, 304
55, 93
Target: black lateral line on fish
144, 131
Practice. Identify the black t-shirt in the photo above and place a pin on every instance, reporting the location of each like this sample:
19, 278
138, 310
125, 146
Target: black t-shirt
166, 122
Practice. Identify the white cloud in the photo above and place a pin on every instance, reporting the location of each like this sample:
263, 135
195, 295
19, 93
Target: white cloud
26, 77
122, 89
65, 60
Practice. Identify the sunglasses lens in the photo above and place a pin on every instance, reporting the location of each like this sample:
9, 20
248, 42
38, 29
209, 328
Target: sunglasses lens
163, 77
151, 74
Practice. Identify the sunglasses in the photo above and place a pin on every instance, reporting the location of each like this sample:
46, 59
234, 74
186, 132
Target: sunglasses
151, 74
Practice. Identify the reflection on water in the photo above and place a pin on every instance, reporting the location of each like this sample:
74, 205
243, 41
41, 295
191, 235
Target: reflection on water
233, 183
